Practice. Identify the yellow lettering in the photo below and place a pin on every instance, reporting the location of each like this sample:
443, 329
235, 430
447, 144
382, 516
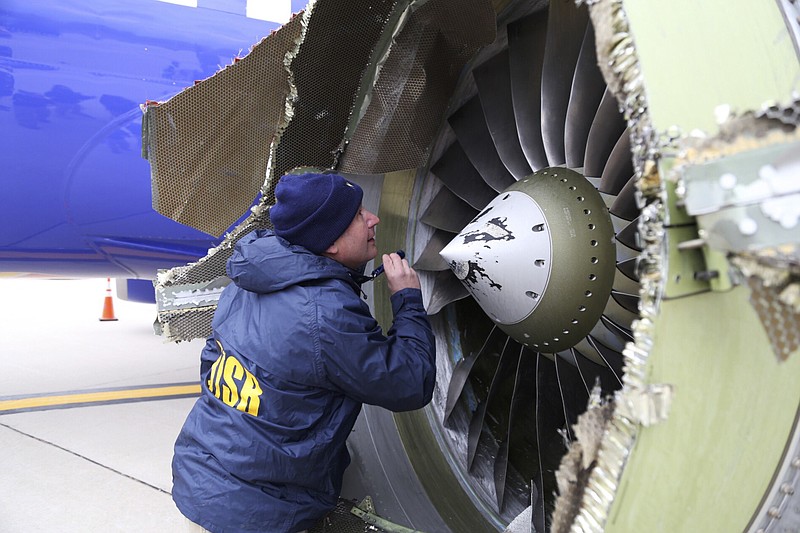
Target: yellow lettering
251, 395
233, 370
214, 371
232, 383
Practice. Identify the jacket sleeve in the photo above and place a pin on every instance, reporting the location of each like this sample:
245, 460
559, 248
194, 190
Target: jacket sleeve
397, 372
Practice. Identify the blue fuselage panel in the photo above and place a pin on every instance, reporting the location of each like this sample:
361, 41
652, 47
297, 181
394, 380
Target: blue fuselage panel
76, 197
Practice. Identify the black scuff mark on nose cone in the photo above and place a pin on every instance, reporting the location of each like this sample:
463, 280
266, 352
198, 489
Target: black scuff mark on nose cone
501, 233
479, 215
476, 270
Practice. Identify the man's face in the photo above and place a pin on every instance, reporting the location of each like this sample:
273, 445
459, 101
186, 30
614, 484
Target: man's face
356, 245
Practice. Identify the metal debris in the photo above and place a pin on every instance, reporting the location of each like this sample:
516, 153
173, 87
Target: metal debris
647, 406
635, 403
522, 523
616, 52
572, 476
208, 145
742, 188
773, 276
307, 124
188, 321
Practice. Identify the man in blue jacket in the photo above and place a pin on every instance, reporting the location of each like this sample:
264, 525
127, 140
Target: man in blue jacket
294, 354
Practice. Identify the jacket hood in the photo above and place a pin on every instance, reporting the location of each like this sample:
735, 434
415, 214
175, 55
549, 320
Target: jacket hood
262, 262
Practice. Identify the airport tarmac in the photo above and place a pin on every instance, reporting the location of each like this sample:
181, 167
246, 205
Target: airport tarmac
89, 411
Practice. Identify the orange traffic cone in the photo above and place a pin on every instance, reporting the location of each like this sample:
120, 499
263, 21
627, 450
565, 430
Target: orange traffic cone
108, 305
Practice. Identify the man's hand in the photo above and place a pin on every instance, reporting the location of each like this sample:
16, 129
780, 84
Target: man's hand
399, 274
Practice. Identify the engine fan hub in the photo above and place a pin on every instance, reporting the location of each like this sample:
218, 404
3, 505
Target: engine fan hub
540, 259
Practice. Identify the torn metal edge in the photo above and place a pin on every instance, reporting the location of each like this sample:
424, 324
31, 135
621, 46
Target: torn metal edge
259, 212
269, 179
171, 277
772, 266
148, 134
164, 328
619, 63
383, 48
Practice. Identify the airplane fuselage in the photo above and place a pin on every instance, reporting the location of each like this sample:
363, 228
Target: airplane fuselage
73, 74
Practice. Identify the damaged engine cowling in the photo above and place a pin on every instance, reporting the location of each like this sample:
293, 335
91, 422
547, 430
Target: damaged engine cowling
664, 347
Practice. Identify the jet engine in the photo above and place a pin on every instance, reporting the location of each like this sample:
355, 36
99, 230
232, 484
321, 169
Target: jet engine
602, 200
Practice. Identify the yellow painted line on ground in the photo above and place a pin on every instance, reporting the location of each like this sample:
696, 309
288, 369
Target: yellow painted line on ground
99, 397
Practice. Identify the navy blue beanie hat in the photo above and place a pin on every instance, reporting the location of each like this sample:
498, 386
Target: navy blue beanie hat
313, 210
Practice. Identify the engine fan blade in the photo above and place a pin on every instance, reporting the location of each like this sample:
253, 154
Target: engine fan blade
522, 396
619, 166
629, 234
630, 302
560, 57
445, 288
505, 369
430, 259
526, 43
493, 81
469, 126
607, 126
625, 204
457, 173
461, 372
588, 87
629, 268
448, 212
618, 313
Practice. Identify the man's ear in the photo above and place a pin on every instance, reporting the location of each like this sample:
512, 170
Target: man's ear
332, 249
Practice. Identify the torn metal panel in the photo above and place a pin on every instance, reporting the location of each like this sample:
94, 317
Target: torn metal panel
773, 275
171, 298
327, 78
742, 187
208, 146
405, 106
647, 406
778, 307
185, 324
284, 105
659, 112
576, 466
184, 314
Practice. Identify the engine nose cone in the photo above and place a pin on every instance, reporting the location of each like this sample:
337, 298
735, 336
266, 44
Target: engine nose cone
504, 257
539, 259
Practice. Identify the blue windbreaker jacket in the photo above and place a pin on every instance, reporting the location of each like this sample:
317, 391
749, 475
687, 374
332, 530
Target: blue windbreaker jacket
294, 354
